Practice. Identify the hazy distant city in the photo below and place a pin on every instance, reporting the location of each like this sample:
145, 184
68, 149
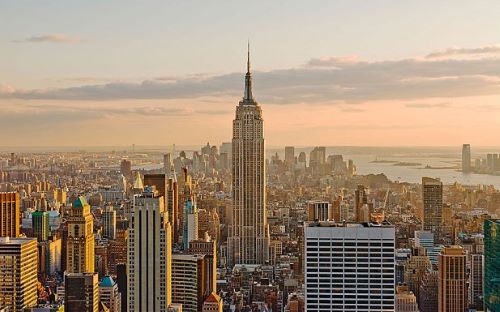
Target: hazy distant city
150, 163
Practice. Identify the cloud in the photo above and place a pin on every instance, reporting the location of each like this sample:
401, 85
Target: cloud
24, 114
454, 51
428, 105
332, 61
352, 110
327, 80
54, 38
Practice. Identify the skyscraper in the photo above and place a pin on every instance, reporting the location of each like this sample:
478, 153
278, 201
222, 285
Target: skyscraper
432, 190
320, 211
190, 213
491, 265
81, 292
475, 287
109, 295
109, 222
126, 168
248, 241
466, 158
80, 241
192, 280
9, 214
149, 254
452, 281
18, 273
349, 267
172, 202
362, 210
40, 225
289, 155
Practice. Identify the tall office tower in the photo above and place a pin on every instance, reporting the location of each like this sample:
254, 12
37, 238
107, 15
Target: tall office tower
349, 267
80, 241
361, 206
149, 254
320, 211
213, 303
18, 273
109, 222
209, 250
466, 158
190, 213
432, 190
81, 292
121, 281
109, 295
416, 268
40, 225
405, 300
9, 214
191, 281
492, 265
317, 156
428, 298
248, 241
172, 194
475, 281
452, 280
167, 162
290, 155
126, 168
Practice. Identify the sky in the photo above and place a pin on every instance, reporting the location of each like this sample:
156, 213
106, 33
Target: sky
351, 73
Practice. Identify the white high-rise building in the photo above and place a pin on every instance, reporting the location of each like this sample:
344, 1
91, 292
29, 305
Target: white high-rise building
248, 241
149, 254
349, 267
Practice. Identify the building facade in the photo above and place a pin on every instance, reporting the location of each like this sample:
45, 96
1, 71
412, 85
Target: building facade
9, 214
349, 267
80, 241
81, 292
109, 222
466, 158
193, 280
109, 295
40, 225
149, 254
248, 241
432, 194
452, 280
18, 272
492, 265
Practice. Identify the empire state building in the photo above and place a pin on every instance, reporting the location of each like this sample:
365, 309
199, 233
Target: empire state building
248, 241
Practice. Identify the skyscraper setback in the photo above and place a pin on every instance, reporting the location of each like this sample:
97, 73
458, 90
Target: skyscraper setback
248, 241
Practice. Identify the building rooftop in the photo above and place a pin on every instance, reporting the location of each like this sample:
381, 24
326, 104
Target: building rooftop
349, 224
80, 202
15, 240
107, 281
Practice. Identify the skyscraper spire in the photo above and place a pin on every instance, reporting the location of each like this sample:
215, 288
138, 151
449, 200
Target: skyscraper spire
248, 97
248, 58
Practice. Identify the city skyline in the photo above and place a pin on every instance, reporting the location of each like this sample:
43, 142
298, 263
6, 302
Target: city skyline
332, 88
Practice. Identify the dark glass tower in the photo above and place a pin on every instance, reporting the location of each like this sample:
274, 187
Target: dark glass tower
492, 265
